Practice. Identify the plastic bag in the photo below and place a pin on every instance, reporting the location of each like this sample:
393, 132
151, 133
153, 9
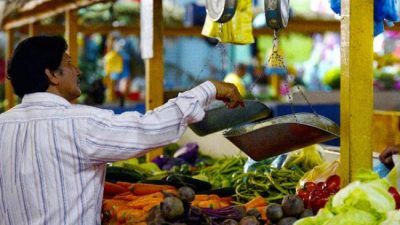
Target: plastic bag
113, 62
384, 10
237, 31
319, 173
394, 175
306, 158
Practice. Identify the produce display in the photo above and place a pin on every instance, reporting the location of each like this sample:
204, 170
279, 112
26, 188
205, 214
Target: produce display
185, 187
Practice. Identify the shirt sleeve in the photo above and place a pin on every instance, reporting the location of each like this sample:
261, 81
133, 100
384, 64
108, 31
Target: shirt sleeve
110, 137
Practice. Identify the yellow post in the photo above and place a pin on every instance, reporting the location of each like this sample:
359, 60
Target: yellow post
71, 33
10, 98
356, 93
155, 68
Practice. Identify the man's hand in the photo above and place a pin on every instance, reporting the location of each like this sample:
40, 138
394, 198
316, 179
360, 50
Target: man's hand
228, 93
386, 156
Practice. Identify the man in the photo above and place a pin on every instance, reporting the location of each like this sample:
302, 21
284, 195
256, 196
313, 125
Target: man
236, 78
53, 153
386, 157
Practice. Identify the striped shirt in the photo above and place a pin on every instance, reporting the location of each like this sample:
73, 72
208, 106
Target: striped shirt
53, 154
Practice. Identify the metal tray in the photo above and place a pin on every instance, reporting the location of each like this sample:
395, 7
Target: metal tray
282, 134
218, 117
221, 11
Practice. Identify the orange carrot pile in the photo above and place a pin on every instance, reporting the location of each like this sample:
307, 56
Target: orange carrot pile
127, 203
211, 201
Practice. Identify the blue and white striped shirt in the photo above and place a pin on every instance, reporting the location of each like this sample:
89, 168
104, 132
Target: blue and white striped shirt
53, 154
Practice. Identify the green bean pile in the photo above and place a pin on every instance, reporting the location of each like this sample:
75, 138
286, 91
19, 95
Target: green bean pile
220, 174
273, 184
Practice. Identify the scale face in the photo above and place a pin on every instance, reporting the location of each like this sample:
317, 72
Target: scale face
221, 10
276, 13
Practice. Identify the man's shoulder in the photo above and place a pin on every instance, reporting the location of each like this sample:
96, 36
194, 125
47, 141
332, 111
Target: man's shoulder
66, 112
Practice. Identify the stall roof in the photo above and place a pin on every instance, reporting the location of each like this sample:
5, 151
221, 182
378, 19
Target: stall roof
18, 13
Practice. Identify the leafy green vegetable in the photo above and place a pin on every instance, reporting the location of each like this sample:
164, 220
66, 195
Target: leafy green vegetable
393, 218
371, 197
322, 216
354, 217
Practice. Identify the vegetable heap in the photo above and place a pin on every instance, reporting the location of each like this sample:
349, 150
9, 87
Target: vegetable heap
363, 202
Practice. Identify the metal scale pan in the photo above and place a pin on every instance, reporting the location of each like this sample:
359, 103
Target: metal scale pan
282, 134
218, 117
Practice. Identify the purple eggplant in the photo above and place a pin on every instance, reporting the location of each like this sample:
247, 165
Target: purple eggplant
189, 153
160, 160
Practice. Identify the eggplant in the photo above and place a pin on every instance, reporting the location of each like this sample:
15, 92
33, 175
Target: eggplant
189, 153
114, 174
221, 192
196, 185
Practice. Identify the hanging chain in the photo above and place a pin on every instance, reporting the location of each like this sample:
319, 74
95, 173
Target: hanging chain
277, 61
219, 45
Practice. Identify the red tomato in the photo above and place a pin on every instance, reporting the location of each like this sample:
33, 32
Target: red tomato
333, 182
396, 196
321, 185
318, 203
310, 186
304, 195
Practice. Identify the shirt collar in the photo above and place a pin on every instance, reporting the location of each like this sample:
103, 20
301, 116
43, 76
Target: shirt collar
41, 97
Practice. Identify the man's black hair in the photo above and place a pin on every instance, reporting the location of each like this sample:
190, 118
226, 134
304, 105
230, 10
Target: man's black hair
32, 56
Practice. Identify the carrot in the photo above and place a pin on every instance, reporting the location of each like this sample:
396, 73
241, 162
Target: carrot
228, 199
145, 200
124, 184
111, 203
129, 197
224, 204
144, 189
214, 197
263, 212
212, 204
113, 189
255, 202
125, 213
201, 197
149, 206
174, 192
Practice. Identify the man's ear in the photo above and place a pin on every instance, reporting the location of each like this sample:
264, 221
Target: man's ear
51, 76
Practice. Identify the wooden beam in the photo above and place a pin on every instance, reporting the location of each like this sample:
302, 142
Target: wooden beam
45, 10
33, 29
10, 98
71, 33
356, 89
155, 68
301, 26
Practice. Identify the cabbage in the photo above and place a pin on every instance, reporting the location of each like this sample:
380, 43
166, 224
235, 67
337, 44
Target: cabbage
354, 217
372, 197
393, 218
322, 216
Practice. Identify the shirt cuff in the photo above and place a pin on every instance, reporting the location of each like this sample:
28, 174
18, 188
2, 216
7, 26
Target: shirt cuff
205, 93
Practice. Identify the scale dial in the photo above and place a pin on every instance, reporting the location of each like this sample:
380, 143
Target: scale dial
221, 10
276, 13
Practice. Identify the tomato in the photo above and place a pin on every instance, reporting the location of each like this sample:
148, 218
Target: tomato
304, 195
321, 185
396, 196
318, 203
310, 186
333, 182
